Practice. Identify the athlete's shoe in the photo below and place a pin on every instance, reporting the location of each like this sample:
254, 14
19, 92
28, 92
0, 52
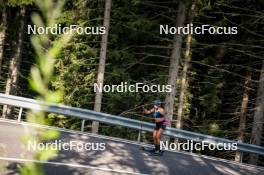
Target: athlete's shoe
157, 153
148, 149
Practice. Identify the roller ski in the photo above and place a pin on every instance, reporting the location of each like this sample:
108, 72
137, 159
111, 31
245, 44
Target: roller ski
152, 151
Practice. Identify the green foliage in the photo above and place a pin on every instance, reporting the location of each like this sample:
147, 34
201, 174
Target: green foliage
138, 53
75, 67
31, 168
187, 102
20, 3
40, 78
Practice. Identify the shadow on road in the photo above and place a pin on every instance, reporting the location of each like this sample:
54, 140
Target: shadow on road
118, 158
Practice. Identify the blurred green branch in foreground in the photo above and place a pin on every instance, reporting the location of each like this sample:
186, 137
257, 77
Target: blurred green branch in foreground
46, 48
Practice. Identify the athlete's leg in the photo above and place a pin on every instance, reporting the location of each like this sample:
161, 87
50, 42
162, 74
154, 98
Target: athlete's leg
155, 136
159, 134
157, 144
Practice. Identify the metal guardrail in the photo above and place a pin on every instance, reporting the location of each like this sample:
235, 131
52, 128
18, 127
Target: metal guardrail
118, 120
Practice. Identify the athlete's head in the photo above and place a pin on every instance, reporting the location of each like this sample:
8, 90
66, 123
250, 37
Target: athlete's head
157, 103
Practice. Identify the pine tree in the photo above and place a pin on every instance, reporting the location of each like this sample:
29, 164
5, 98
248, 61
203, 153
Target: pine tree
187, 58
257, 127
243, 113
101, 68
3, 27
12, 81
174, 61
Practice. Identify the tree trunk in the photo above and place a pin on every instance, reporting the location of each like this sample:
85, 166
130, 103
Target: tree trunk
257, 126
12, 81
101, 69
243, 114
174, 62
2, 36
187, 59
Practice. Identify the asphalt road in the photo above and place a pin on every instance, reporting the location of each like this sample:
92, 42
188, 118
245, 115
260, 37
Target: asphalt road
119, 157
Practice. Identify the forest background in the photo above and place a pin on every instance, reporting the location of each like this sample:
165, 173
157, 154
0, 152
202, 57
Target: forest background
218, 79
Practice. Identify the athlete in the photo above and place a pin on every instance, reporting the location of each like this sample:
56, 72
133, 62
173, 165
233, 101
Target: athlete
158, 113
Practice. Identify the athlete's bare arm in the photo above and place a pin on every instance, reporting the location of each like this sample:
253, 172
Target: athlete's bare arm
162, 111
145, 111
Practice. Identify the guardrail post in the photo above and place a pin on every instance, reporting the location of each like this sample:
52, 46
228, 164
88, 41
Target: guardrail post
241, 156
82, 128
20, 114
191, 151
139, 136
